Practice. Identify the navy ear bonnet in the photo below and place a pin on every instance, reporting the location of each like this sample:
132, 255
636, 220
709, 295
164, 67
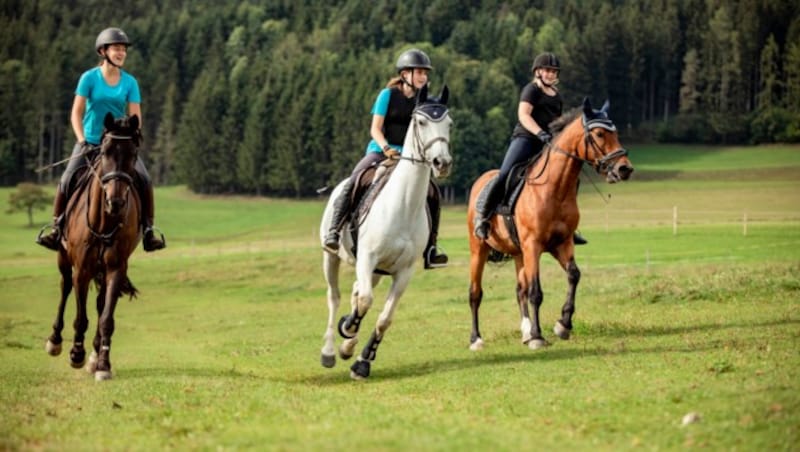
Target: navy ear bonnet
596, 118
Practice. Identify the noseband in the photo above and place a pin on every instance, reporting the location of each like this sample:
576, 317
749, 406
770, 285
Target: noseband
432, 112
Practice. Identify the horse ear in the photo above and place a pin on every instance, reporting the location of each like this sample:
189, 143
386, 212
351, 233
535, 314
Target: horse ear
444, 95
606, 105
134, 122
587, 107
108, 121
422, 95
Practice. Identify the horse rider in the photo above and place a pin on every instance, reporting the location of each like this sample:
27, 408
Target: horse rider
539, 104
391, 116
103, 89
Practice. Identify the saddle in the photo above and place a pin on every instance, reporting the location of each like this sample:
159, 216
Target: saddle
369, 184
514, 184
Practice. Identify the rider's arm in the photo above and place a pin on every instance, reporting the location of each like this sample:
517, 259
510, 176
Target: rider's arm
376, 131
524, 111
76, 117
135, 109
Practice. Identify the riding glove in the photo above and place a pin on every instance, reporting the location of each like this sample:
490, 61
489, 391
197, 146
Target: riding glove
544, 136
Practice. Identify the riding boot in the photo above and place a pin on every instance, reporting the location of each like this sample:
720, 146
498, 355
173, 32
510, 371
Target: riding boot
485, 210
341, 207
53, 239
431, 256
150, 242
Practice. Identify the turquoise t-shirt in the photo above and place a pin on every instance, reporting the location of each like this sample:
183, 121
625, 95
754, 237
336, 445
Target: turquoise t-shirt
381, 107
102, 98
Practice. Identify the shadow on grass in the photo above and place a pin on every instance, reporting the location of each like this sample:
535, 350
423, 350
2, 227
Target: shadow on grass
620, 330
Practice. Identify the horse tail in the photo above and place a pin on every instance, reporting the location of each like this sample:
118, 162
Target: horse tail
127, 288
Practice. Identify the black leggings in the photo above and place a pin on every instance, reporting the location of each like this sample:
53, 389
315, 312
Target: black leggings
521, 149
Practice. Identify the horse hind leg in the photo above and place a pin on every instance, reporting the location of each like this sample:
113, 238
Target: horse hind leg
53, 344
479, 253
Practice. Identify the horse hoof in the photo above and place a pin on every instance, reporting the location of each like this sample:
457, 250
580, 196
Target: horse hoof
561, 331
102, 375
536, 344
359, 370
52, 349
77, 364
328, 361
347, 348
341, 329
91, 367
477, 345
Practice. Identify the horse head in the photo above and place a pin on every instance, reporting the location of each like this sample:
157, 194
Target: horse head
430, 129
603, 149
118, 153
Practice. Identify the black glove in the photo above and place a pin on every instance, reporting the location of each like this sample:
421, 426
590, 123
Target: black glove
544, 136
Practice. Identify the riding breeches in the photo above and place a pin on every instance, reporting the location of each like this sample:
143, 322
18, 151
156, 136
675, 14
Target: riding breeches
521, 149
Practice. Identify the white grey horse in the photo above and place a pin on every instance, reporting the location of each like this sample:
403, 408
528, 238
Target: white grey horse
392, 236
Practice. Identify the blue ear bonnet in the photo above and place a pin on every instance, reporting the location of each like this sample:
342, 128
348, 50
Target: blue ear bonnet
432, 111
597, 118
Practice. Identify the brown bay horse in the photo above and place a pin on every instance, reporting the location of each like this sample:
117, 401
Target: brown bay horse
101, 231
546, 216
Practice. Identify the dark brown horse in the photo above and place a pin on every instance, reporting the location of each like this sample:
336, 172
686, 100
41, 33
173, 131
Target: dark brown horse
546, 216
101, 231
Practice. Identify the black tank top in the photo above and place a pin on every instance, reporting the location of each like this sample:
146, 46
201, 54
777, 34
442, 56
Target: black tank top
398, 117
545, 108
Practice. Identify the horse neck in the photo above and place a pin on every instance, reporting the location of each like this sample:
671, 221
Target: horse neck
96, 214
562, 171
409, 181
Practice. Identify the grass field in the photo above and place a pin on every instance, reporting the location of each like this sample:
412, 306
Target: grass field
689, 303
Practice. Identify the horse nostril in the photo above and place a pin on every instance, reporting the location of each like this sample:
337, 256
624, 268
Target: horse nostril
625, 171
437, 163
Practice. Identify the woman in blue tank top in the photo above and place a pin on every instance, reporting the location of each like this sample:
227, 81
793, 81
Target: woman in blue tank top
101, 90
391, 116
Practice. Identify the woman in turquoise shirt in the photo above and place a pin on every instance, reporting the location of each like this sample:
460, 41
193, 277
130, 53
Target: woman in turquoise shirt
391, 115
103, 89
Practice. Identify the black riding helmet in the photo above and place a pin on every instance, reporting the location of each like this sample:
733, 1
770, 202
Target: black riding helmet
413, 58
546, 60
110, 36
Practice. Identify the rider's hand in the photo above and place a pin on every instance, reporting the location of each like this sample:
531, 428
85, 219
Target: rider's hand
390, 152
544, 136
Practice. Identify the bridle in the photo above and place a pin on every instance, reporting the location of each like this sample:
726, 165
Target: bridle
104, 180
606, 162
433, 112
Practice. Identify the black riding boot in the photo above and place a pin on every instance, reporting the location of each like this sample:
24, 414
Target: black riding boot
341, 208
432, 258
53, 238
485, 210
150, 242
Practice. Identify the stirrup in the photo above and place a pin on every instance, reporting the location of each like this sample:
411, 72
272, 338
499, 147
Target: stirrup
435, 260
52, 240
152, 243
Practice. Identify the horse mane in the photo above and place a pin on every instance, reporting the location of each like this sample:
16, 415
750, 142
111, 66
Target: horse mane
558, 125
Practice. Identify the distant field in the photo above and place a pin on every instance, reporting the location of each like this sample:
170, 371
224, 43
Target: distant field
689, 302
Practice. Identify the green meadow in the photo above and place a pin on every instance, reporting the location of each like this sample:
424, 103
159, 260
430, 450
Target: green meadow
689, 304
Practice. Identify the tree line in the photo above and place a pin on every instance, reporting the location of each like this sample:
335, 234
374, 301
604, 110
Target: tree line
273, 97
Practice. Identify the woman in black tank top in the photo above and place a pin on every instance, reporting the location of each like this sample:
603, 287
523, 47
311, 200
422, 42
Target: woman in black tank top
539, 104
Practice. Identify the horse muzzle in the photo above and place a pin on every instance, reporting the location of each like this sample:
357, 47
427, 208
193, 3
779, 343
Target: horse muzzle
620, 171
441, 166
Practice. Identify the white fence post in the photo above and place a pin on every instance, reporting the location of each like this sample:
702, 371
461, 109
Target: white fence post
744, 224
674, 220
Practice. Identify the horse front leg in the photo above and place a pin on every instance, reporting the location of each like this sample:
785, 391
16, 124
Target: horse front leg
53, 344
361, 368
330, 267
522, 300
535, 296
563, 327
100, 303
360, 302
77, 354
105, 323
